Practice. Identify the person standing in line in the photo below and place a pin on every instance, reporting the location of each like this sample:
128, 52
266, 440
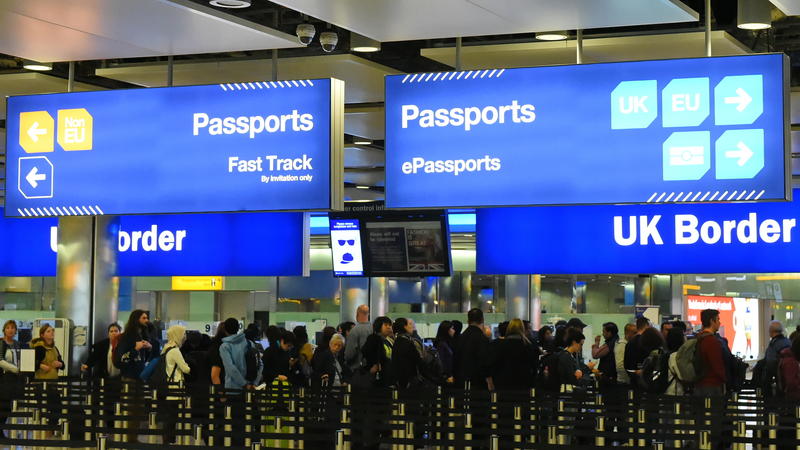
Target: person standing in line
675, 339
470, 363
570, 374
101, 360
358, 336
605, 353
135, 347
277, 358
457, 328
326, 366
302, 354
9, 369
514, 359
712, 381
789, 371
635, 354
546, 340
443, 344
232, 351
619, 355
177, 370
377, 356
777, 343
48, 362
406, 359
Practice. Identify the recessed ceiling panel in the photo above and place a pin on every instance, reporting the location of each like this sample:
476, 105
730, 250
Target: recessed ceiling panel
630, 48
75, 30
393, 20
788, 7
363, 78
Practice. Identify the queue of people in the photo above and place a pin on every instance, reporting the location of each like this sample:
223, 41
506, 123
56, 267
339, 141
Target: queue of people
384, 353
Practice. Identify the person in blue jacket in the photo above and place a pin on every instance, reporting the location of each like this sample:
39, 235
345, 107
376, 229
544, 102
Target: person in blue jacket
232, 351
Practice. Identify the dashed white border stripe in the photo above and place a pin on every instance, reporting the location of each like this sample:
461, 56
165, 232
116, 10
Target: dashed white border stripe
652, 197
441, 76
700, 196
254, 85
54, 211
752, 193
759, 195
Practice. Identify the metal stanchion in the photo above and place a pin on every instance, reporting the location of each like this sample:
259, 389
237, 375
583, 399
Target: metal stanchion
705, 440
102, 442
451, 404
278, 429
552, 434
292, 410
14, 420
600, 427
739, 431
340, 440
468, 428
640, 416
629, 418
87, 422
678, 422
494, 442
658, 446
228, 428
562, 438
248, 427
152, 425
401, 424
345, 421
797, 417
533, 429
409, 435
772, 421
517, 424
255, 446
493, 416
198, 434
64, 429
120, 423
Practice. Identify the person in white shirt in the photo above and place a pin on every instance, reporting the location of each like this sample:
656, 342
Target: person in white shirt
9, 368
619, 354
177, 369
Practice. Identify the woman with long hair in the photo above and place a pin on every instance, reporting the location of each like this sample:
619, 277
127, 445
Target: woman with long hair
177, 369
514, 359
444, 346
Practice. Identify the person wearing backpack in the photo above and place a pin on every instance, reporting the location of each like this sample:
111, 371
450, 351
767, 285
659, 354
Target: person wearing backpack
175, 369
652, 376
789, 371
675, 339
711, 381
303, 353
9, 369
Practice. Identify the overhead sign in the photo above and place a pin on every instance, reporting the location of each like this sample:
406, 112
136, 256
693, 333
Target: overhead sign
252, 244
669, 239
197, 283
689, 130
261, 146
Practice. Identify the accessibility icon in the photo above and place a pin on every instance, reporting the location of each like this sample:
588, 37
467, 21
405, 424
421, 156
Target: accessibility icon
685, 102
739, 154
687, 155
35, 177
738, 100
634, 104
36, 131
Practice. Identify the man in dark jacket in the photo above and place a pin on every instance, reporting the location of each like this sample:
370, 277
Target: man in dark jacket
276, 358
777, 343
135, 347
471, 359
569, 370
635, 354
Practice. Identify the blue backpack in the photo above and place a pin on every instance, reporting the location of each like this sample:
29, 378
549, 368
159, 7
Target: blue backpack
155, 372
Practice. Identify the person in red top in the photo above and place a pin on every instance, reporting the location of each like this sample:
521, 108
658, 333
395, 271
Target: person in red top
712, 381
789, 371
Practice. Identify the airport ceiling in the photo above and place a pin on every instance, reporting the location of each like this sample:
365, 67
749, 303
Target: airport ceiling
123, 44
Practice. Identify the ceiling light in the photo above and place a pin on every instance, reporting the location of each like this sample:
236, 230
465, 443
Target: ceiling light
234, 4
754, 15
552, 35
35, 65
362, 187
359, 43
361, 141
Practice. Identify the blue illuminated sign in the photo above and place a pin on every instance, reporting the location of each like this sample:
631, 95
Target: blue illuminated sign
346, 247
252, 244
676, 238
261, 146
697, 130
27, 247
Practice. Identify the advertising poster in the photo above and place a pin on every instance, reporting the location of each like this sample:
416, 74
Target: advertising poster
739, 317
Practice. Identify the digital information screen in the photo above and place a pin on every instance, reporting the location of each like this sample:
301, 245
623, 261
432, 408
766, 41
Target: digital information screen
683, 130
397, 248
346, 248
261, 146
739, 321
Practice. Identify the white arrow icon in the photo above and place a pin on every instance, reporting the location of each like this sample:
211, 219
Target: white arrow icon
34, 177
34, 132
744, 153
742, 99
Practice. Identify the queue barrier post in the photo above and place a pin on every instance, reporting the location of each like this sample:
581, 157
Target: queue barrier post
552, 434
409, 435
600, 427
198, 434
248, 427
255, 446
629, 418
87, 435
705, 440
658, 446
772, 419
641, 418
493, 407
451, 404
739, 431
494, 442
228, 428
517, 424
102, 442
345, 421
64, 426
152, 425
339, 439
533, 427
468, 427
678, 443
119, 424
797, 417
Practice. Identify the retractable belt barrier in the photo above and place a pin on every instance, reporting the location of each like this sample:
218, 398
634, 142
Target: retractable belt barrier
80, 414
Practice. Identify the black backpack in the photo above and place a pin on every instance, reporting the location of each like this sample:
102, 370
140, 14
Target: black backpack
432, 367
252, 359
159, 379
655, 372
548, 372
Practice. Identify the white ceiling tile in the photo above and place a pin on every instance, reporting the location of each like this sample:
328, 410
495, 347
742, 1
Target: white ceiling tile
75, 30
34, 83
788, 7
393, 20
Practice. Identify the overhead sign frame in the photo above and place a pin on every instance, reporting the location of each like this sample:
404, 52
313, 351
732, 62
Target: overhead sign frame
400, 196
56, 142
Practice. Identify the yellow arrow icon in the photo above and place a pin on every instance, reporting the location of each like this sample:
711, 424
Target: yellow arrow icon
36, 132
